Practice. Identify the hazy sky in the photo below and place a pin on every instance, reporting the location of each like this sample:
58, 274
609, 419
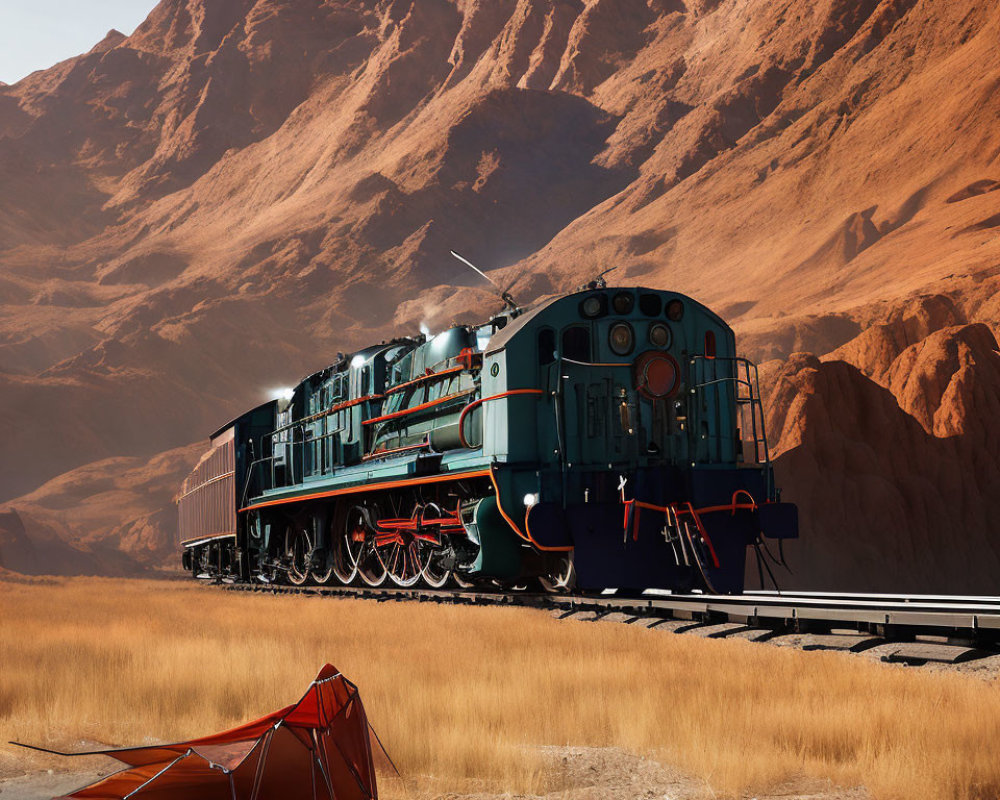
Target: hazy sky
35, 34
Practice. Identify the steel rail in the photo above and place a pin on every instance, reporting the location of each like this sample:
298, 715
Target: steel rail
966, 599
960, 627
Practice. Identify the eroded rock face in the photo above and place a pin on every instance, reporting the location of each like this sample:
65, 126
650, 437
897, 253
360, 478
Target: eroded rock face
882, 341
949, 381
897, 483
112, 517
30, 547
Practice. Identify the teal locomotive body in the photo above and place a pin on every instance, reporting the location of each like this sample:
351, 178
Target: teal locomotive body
608, 438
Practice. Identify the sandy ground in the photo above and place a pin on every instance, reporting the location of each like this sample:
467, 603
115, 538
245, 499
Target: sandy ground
581, 773
46, 784
29, 775
599, 773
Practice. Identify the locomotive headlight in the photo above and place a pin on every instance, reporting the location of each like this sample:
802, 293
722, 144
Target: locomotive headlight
483, 339
657, 376
621, 339
530, 499
659, 336
622, 303
593, 306
358, 361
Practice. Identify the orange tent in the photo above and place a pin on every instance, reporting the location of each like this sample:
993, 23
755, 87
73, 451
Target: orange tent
318, 749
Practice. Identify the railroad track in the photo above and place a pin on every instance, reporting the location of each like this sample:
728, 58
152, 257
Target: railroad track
907, 629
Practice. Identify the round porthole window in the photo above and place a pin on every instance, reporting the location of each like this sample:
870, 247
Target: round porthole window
495, 369
659, 336
623, 302
621, 339
594, 306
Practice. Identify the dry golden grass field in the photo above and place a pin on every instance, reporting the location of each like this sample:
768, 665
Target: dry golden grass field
464, 697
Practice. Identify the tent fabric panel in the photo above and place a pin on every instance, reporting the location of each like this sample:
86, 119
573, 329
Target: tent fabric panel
191, 779
322, 703
348, 751
230, 755
288, 771
191, 776
120, 783
137, 756
188, 776
150, 755
250, 730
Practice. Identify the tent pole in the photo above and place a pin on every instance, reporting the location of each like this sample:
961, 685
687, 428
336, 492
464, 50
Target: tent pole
157, 775
258, 778
350, 768
320, 753
382, 747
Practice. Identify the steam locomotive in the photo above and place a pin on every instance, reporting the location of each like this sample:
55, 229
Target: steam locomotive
606, 438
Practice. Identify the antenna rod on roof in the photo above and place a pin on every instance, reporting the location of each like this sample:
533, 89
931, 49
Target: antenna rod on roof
598, 282
504, 293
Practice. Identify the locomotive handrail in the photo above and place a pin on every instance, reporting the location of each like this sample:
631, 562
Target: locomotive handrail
301, 442
327, 412
752, 383
476, 403
565, 360
413, 409
393, 450
733, 379
424, 379
297, 445
250, 468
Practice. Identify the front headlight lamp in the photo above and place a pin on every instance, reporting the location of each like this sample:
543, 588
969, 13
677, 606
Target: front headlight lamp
621, 339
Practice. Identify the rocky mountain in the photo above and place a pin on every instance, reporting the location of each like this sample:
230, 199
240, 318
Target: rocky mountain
122, 505
29, 547
211, 207
892, 451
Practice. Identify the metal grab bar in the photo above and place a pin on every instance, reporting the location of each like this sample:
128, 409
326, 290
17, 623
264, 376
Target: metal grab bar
479, 401
745, 376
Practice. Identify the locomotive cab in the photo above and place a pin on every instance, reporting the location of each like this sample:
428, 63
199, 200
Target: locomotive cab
642, 412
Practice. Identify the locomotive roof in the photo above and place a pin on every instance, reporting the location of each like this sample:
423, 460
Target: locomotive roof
498, 341
501, 337
504, 335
